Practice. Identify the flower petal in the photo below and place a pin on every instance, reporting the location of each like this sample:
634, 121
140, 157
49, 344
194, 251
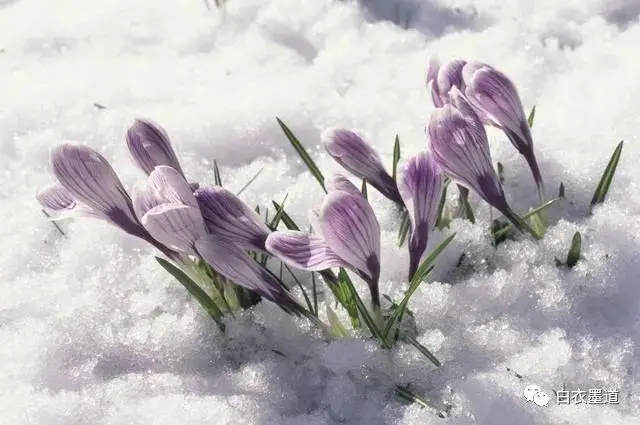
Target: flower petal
432, 82
356, 156
340, 182
176, 226
460, 147
227, 216
420, 185
233, 263
303, 250
150, 146
89, 178
55, 198
494, 94
351, 230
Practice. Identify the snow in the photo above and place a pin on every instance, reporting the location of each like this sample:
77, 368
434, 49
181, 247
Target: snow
93, 332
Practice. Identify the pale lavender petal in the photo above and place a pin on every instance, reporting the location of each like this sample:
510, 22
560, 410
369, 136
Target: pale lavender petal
356, 156
450, 76
432, 82
494, 94
340, 182
227, 216
460, 147
233, 263
150, 146
303, 250
55, 198
420, 185
171, 186
176, 226
351, 230
89, 178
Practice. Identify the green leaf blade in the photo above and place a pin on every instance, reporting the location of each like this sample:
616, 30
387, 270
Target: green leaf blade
302, 152
205, 300
396, 157
607, 177
574, 250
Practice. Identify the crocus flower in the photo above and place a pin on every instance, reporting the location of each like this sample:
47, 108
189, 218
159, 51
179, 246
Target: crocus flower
227, 216
89, 186
420, 184
440, 80
230, 261
348, 235
460, 147
150, 146
168, 210
356, 156
496, 98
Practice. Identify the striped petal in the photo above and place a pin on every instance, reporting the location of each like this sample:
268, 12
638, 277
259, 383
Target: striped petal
227, 216
303, 250
88, 178
340, 182
351, 230
233, 263
459, 144
150, 146
56, 198
356, 156
176, 226
494, 94
420, 185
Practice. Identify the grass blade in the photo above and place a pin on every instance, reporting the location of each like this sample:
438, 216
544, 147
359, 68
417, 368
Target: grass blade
574, 251
364, 189
315, 292
502, 231
311, 165
443, 221
404, 392
247, 184
465, 206
421, 273
216, 174
304, 292
605, 181
532, 115
337, 329
286, 219
405, 223
273, 225
366, 317
396, 157
501, 172
428, 354
205, 300
58, 228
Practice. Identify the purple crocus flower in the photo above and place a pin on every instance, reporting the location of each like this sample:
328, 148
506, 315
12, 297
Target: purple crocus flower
233, 263
150, 146
496, 99
460, 147
168, 210
90, 187
440, 80
420, 184
348, 235
227, 216
349, 149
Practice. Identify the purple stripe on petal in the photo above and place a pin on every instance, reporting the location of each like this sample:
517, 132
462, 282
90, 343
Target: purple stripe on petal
340, 182
351, 230
150, 146
89, 178
233, 263
55, 198
493, 94
460, 147
303, 250
420, 185
356, 156
176, 226
227, 216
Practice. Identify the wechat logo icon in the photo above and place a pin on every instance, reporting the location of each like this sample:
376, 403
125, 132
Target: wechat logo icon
535, 394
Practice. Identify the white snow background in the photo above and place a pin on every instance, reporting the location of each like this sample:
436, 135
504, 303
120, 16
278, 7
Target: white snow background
94, 332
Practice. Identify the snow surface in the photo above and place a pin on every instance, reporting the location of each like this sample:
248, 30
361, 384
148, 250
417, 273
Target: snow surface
92, 332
